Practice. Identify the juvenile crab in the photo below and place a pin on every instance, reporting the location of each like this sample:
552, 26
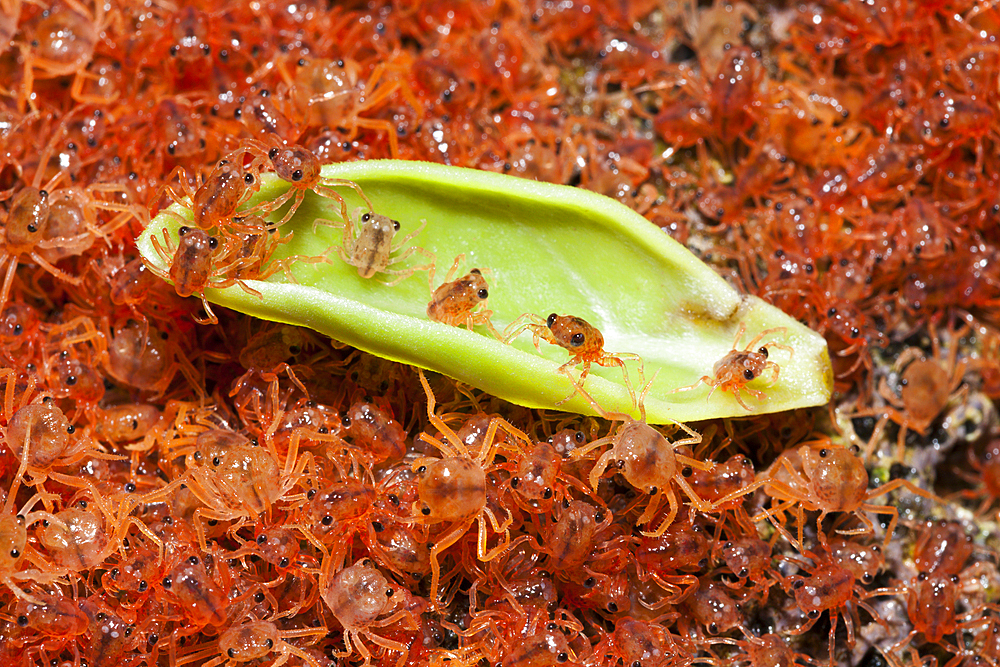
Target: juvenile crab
739, 367
455, 301
371, 249
581, 339
927, 387
649, 462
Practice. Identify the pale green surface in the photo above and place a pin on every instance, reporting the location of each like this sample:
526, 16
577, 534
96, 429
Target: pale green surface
549, 248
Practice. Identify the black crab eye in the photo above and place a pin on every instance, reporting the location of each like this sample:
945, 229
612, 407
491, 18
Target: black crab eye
551, 320
395, 225
748, 374
273, 153
483, 293
213, 242
366, 217
577, 340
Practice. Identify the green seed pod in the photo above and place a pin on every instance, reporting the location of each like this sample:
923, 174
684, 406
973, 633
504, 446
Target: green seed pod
544, 249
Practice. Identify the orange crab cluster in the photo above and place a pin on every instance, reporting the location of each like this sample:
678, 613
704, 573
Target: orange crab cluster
251, 493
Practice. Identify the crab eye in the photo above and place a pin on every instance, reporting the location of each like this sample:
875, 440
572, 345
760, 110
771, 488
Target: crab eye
551, 320
577, 340
483, 293
763, 351
748, 374
395, 225
366, 217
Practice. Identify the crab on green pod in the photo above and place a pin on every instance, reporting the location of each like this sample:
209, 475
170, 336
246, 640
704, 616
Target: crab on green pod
543, 249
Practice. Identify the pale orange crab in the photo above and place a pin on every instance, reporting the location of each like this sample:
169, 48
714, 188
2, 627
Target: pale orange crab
927, 386
581, 339
739, 367
455, 301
